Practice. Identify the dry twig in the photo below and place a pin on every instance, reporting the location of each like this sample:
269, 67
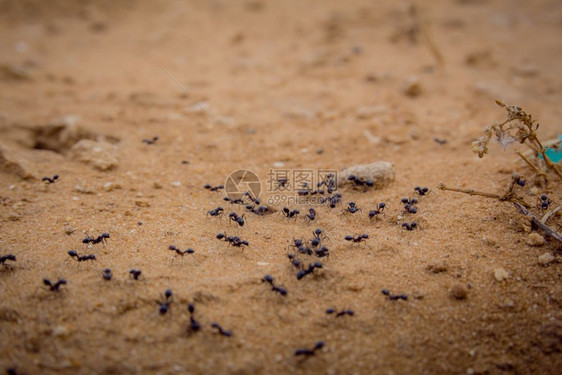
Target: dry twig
517, 201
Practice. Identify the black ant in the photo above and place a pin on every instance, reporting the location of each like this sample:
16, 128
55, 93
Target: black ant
165, 306
135, 273
50, 180
282, 182
5, 258
422, 191
214, 188
194, 325
544, 202
360, 181
234, 201
311, 214
322, 252
394, 297
352, 208
521, 182
311, 267
413, 225
315, 242
309, 352
81, 258
236, 218
297, 242
221, 330
305, 250
260, 210
378, 211
319, 233
237, 242
340, 313
107, 275
294, 261
409, 205
280, 290
289, 214
54, 287
150, 141
95, 240
13, 371
232, 240
252, 198
181, 252
318, 191
333, 200
330, 183
216, 212
358, 238
301, 248
304, 190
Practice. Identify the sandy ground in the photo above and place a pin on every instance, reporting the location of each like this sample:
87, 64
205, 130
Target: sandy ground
279, 82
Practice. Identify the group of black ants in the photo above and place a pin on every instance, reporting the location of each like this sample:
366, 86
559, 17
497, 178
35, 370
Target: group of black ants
314, 247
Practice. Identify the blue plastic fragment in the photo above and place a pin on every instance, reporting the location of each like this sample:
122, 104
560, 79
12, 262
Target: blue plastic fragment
554, 154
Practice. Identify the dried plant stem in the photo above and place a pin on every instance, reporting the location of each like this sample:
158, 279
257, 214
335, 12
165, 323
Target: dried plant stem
548, 230
424, 27
519, 126
549, 214
539, 148
518, 202
508, 196
550, 164
533, 167
442, 186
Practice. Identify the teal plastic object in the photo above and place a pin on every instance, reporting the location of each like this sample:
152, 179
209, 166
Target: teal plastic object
554, 154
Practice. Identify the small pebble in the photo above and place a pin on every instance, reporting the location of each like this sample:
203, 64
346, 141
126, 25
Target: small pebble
412, 86
417, 294
60, 331
535, 239
437, 267
110, 186
500, 274
142, 202
83, 189
546, 259
69, 230
356, 287
176, 183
